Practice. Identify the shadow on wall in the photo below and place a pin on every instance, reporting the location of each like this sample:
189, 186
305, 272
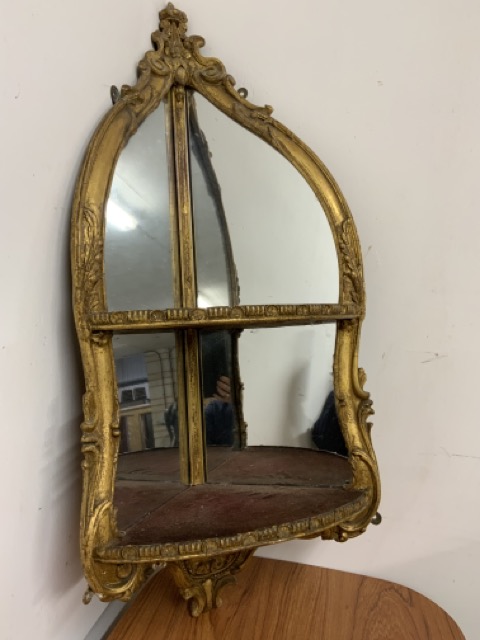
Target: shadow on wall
56, 559
57, 538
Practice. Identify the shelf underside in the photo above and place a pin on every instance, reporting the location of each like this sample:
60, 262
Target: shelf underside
247, 490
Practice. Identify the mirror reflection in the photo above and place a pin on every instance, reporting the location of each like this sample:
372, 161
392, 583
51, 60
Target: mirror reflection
148, 469
220, 388
288, 377
145, 367
238, 182
282, 244
138, 248
216, 276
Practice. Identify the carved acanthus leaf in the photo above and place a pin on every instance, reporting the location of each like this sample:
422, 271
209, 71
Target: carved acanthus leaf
362, 458
90, 258
89, 412
352, 266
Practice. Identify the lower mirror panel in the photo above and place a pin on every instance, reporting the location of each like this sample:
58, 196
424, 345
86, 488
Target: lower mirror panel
248, 490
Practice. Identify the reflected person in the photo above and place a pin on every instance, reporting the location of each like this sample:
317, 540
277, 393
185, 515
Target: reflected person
218, 414
219, 419
218, 411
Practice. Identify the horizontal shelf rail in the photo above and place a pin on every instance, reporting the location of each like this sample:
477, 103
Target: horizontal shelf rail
271, 315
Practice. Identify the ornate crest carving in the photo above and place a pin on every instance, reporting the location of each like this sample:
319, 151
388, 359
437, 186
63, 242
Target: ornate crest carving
177, 59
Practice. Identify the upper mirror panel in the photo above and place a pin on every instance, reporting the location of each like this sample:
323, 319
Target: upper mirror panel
282, 245
216, 278
138, 248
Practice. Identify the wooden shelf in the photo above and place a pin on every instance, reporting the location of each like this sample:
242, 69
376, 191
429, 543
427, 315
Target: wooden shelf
276, 600
247, 490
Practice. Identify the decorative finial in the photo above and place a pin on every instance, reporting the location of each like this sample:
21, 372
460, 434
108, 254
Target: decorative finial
177, 56
171, 15
173, 27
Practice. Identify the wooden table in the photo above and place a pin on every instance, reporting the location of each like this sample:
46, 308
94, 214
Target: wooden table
276, 600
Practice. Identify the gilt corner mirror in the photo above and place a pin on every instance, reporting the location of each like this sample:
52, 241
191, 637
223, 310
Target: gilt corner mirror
218, 297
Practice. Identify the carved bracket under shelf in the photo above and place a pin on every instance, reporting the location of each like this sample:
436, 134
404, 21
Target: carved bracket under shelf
200, 581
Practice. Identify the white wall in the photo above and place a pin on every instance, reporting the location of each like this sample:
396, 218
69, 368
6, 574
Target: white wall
387, 94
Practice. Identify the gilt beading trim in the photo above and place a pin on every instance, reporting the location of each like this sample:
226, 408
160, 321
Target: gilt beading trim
229, 317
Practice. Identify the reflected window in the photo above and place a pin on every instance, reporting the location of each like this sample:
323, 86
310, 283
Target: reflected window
145, 366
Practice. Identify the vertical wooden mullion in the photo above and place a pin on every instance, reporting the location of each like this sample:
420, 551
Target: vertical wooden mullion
174, 230
183, 446
188, 287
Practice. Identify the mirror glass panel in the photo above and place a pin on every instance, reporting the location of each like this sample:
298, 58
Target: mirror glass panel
148, 470
145, 367
287, 373
282, 244
216, 279
219, 389
293, 434
138, 247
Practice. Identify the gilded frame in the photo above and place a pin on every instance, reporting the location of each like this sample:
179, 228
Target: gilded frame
200, 567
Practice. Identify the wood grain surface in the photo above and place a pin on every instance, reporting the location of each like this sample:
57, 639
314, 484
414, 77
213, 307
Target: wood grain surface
277, 600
